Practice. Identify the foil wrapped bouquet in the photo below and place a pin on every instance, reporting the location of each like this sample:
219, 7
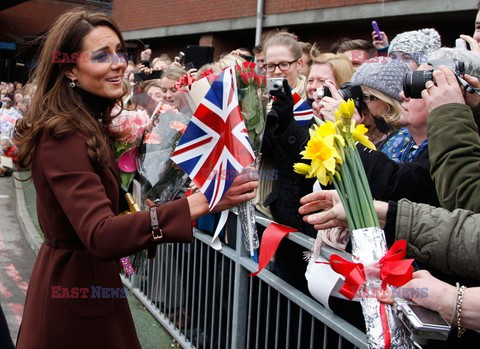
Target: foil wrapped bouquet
334, 158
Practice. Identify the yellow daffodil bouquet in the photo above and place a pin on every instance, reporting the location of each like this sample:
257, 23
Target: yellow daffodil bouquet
335, 159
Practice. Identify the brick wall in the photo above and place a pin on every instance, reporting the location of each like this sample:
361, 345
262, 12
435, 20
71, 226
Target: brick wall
154, 13
324, 34
30, 18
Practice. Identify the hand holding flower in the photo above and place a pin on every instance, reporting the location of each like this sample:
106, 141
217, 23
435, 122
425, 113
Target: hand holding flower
241, 190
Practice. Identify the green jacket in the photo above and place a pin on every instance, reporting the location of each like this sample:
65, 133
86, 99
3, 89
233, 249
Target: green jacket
454, 150
449, 241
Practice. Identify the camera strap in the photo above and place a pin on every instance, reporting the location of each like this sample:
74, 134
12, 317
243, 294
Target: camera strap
468, 88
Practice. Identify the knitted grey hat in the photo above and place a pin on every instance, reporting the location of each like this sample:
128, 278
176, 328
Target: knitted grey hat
383, 74
417, 43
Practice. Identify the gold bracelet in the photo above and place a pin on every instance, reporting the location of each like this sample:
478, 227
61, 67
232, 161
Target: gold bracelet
454, 311
460, 329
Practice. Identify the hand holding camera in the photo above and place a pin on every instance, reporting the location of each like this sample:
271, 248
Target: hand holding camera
283, 103
445, 91
432, 301
346, 91
474, 46
329, 101
472, 99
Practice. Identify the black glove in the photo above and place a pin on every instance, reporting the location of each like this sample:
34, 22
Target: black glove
283, 106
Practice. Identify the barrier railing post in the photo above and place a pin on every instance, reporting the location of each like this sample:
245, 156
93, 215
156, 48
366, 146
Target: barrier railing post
240, 293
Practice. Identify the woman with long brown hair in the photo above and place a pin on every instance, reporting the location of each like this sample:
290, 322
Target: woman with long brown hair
75, 293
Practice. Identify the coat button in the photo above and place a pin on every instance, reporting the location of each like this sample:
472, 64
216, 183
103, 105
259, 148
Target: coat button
291, 139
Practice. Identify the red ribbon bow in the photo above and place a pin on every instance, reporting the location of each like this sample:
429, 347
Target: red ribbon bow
394, 269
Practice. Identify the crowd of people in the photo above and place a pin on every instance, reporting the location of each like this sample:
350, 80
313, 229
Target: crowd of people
424, 173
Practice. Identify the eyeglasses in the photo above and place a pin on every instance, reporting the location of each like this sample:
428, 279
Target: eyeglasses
369, 98
283, 66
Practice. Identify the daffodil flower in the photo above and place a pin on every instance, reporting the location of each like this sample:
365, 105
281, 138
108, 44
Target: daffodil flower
358, 133
302, 169
334, 158
345, 111
322, 151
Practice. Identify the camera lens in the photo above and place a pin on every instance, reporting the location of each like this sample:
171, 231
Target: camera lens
348, 90
414, 83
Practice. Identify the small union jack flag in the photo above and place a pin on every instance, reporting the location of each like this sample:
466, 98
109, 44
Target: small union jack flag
215, 145
302, 112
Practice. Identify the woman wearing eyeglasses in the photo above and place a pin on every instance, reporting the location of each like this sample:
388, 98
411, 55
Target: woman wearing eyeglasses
284, 137
381, 82
283, 57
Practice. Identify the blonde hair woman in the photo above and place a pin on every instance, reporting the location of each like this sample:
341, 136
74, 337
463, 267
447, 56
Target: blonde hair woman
381, 81
328, 66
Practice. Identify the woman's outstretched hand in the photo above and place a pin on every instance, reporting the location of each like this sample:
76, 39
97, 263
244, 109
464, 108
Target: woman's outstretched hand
241, 190
332, 214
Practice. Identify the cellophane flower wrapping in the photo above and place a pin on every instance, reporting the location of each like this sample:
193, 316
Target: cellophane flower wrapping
161, 180
334, 158
252, 105
128, 126
131, 125
368, 247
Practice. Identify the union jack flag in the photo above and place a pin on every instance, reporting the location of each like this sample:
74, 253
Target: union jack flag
302, 112
215, 145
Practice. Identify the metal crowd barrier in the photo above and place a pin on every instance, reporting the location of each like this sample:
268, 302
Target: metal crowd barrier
206, 299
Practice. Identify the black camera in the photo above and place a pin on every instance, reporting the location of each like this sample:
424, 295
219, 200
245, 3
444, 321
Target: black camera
414, 82
347, 90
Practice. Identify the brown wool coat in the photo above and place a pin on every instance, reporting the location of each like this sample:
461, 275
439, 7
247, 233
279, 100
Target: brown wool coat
78, 205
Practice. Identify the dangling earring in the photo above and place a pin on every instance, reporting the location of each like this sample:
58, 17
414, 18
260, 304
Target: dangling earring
72, 84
